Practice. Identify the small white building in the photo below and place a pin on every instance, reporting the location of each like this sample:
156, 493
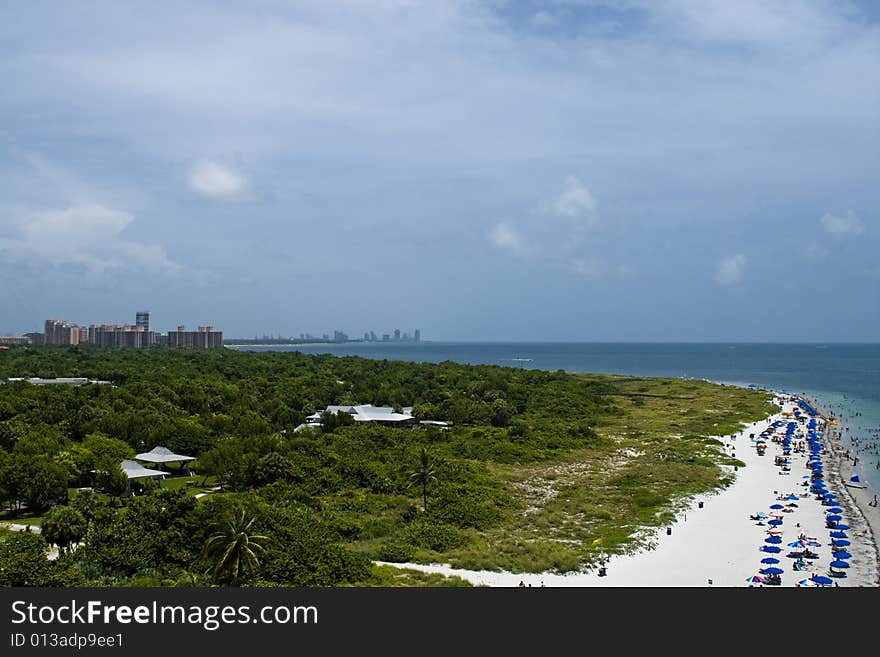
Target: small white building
369, 413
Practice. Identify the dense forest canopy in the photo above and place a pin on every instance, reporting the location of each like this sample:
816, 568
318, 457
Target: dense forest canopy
317, 505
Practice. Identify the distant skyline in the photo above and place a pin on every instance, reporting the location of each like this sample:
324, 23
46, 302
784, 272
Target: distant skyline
533, 170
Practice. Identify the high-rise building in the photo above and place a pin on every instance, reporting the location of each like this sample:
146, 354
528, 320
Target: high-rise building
397, 334
142, 319
366, 336
418, 335
373, 336
121, 335
58, 331
205, 337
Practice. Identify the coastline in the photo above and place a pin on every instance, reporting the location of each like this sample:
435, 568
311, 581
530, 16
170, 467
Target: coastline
858, 498
714, 541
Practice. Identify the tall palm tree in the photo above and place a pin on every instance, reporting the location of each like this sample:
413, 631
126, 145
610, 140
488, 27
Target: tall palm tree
424, 473
234, 549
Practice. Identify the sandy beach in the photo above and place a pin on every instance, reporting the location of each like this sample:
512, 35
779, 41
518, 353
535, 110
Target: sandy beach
717, 542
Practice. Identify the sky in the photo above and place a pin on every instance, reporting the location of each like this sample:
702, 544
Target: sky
572, 170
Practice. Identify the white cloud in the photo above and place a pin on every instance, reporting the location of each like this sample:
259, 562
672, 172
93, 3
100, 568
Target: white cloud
842, 225
86, 235
506, 237
216, 181
577, 203
730, 270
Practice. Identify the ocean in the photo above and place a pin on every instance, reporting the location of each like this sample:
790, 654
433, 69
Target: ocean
844, 378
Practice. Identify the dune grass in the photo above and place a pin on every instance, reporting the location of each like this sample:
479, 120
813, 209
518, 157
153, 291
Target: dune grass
592, 503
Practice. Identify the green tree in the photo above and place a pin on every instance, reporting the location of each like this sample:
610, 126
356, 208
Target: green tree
233, 549
24, 560
273, 467
424, 473
109, 477
63, 526
89, 504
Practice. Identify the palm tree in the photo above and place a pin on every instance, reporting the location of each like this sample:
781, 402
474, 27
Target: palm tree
234, 549
64, 526
424, 473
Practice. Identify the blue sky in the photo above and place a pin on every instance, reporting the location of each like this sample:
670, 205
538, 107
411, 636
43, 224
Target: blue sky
499, 170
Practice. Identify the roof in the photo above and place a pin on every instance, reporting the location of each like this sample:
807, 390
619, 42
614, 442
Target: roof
369, 413
163, 455
134, 470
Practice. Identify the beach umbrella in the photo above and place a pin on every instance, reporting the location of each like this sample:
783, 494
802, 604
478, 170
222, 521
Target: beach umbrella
807, 582
761, 514
833, 518
796, 544
755, 578
814, 544
777, 506
774, 531
773, 539
839, 564
837, 534
843, 554
841, 526
821, 579
840, 543
777, 514
792, 497
771, 548
769, 560
835, 509
775, 571
775, 523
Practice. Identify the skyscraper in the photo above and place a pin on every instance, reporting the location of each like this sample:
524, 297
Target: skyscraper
418, 335
397, 334
58, 331
142, 319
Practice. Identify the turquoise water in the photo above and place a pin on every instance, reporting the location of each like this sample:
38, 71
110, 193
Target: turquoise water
845, 378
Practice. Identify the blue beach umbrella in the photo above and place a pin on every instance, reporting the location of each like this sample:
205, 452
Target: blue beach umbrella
821, 579
843, 554
777, 506
775, 523
771, 548
777, 571
840, 543
770, 560
835, 509
796, 544
837, 534
838, 564
773, 539
792, 497
840, 525
833, 518
814, 544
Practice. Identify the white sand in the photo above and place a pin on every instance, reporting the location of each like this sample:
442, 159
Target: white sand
719, 542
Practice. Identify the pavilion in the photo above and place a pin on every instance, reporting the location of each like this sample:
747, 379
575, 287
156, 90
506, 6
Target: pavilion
162, 455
